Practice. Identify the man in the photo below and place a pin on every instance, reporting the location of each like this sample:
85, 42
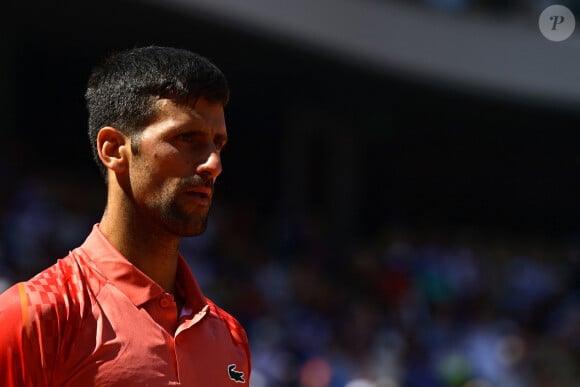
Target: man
124, 309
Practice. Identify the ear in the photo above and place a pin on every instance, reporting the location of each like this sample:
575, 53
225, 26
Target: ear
113, 149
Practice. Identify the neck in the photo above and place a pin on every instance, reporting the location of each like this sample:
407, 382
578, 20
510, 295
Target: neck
150, 249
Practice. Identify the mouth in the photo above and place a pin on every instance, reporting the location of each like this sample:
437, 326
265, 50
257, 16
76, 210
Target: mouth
200, 194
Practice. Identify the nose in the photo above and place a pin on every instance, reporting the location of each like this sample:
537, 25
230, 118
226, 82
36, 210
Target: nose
212, 166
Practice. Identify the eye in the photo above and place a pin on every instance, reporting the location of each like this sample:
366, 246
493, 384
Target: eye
220, 145
220, 142
191, 138
186, 137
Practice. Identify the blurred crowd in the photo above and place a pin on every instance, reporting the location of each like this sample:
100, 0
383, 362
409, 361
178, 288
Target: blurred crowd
400, 308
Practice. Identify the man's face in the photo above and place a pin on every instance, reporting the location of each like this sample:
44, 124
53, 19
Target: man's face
172, 174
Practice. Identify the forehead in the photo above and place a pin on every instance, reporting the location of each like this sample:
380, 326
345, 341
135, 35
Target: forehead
199, 112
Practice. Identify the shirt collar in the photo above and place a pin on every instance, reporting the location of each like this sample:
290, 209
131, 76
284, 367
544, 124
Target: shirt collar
188, 288
135, 284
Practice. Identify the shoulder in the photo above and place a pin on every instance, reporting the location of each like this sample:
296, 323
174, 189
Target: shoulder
18, 355
47, 296
236, 330
11, 304
55, 284
36, 315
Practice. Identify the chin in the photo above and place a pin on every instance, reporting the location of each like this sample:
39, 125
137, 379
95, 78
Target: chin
194, 232
185, 224
192, 228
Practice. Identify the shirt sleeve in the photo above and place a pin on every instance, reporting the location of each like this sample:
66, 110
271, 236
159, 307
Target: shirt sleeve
20, 350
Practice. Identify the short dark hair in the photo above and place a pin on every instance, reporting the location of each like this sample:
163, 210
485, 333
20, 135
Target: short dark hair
122, 90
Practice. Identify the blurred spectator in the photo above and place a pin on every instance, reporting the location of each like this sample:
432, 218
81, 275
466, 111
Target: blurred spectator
402, 310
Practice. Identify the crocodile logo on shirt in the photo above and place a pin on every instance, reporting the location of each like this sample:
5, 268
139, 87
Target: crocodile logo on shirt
236, 376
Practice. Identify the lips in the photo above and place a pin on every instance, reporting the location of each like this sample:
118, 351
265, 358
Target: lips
200, 191
200, 195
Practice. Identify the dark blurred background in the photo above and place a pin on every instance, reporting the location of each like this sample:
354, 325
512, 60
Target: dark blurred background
398, 205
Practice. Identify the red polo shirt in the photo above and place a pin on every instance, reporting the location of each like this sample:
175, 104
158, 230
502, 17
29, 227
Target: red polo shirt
94, 319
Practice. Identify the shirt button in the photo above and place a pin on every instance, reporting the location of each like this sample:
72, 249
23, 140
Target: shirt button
164, 302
